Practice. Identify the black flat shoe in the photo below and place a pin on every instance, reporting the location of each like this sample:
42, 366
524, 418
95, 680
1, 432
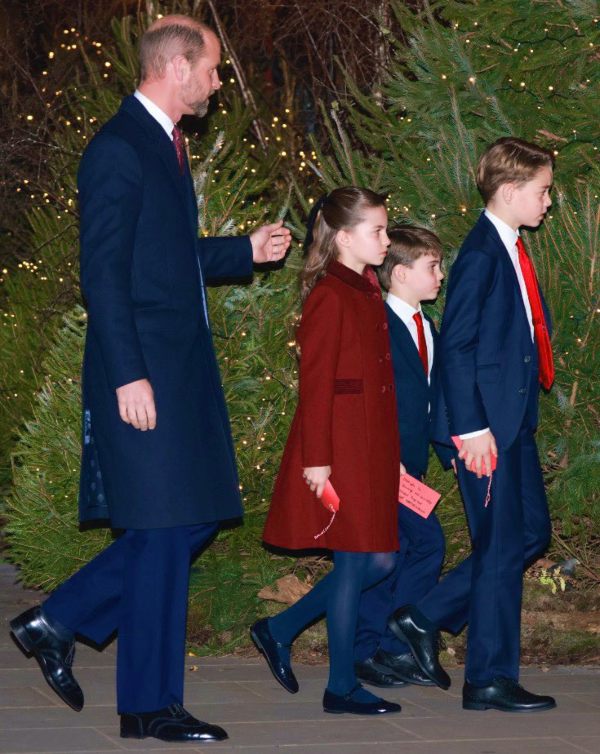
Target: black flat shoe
401, 666
375, 675
271, 650
173, 723
410, 626
54, 650
506, 695
338, 705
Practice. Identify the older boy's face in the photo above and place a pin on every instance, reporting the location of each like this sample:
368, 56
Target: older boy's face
531, 200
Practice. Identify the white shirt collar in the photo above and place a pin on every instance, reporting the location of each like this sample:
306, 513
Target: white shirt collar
508, 235
401, 308
155, 111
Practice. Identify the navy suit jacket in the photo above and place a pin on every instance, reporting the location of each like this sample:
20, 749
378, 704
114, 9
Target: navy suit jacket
143, 271
419, 403
487, 358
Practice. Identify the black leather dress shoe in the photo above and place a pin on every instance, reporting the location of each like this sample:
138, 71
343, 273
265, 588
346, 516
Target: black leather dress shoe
337, 705
506, 695
375, 675
53, 648
402, 666
173, 723
410, 626
271, 650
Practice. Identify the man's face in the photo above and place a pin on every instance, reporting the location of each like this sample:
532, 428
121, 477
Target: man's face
202, 79
531, 199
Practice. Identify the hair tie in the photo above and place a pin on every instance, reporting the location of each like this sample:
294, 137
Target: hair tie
310, 223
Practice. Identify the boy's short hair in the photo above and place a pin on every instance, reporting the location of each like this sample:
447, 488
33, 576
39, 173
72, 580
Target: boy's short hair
510, 160
408, 243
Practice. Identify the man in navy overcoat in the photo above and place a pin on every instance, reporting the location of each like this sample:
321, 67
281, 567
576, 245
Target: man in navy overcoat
158, 458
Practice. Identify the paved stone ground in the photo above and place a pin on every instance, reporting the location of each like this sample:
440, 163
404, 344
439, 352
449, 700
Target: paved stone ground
261, 718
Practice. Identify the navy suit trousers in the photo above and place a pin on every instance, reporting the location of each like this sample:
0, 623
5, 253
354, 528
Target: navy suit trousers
138, 587
485, 589
417, 570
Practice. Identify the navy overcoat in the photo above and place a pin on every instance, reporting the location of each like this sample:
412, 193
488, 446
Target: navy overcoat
143, 271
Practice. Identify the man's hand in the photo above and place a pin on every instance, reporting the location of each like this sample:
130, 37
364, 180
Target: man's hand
136, 404
402, 469
315, 477
477, 452
270, 242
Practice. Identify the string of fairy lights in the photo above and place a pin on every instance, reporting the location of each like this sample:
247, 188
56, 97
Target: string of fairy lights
281, 136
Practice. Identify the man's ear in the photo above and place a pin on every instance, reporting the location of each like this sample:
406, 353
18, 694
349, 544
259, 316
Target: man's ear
181, 67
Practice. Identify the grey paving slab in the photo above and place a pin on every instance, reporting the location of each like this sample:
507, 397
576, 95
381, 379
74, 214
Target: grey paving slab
261, 718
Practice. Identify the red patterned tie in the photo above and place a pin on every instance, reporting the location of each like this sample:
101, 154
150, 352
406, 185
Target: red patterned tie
422, 344
540, 331
179, 145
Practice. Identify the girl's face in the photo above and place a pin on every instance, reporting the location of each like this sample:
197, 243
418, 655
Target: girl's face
365, 243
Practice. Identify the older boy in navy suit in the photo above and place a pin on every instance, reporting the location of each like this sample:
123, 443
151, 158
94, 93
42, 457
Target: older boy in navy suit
410, 273
495, 352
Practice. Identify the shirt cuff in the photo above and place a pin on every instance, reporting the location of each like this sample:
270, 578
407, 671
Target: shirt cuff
477, 433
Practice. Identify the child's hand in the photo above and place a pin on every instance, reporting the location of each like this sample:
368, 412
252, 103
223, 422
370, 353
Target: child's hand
477, 452
315, 477
402, 469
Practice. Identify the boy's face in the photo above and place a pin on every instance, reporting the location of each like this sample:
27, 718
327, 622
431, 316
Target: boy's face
530, 200
422, 280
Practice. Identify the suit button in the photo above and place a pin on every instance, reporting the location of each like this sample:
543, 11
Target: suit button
527, 359
390, 388
383, 388
385, 325
388, 356
522, 390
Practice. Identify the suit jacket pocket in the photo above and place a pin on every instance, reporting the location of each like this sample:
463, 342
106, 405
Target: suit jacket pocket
488, 372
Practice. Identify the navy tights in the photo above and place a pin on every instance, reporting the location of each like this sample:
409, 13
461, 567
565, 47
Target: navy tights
337, 595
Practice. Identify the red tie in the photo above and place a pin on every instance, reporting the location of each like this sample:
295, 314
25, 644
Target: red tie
540, 331
179, 145
422, 344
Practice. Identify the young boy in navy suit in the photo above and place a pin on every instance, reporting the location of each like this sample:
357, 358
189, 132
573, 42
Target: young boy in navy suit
495, 352
410, 273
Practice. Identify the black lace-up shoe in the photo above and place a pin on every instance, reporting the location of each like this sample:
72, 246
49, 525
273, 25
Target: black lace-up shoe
369, 672
402, 666
411, 626
506, 695
173, 723
338, 705
54, 649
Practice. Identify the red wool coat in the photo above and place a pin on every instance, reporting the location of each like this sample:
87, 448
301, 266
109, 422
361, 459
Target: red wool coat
346, 418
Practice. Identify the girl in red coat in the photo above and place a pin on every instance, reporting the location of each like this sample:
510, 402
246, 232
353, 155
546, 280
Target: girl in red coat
345, 432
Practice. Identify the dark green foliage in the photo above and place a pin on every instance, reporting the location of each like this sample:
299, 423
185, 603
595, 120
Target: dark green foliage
454, 87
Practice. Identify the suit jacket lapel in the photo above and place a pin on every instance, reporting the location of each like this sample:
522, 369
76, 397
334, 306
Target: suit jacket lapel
399, 332
507, 262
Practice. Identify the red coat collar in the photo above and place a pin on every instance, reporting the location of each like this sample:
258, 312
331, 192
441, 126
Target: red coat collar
346, 275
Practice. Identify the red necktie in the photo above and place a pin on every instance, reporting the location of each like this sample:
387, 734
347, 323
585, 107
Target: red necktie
540, 331
179, 145
422, 344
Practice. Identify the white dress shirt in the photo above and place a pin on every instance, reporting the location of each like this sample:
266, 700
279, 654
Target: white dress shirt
406, 313
163, 119
156, 113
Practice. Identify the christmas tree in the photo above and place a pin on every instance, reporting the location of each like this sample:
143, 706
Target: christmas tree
465, 74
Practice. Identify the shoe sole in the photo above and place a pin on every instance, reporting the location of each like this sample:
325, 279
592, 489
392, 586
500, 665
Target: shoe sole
26, 645
481, 707
399, 633
265, 654
361, 714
